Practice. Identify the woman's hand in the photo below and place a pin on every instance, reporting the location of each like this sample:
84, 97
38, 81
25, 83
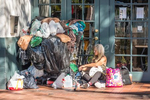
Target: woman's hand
81, 67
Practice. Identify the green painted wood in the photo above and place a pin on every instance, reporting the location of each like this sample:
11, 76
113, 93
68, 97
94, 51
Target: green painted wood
2, 64
112, 34
8, 59
105, 24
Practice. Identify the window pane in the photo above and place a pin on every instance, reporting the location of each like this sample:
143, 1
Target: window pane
89, 12
88, 31
122, 29
56, 11
76, 1
122, 61
44, 10
122, 12
140, 12
77, 11
140, 29
140, 46
55, 1
43, 1
89, 1
140, 64
140, 1
122, 46
122, 1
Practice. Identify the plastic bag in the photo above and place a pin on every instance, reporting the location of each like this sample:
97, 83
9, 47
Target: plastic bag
35, 41
55, 28
35, 72
93, 70
29, 80
35, 26
45, 30
36, 56
56, 55
113, 77
16, 82
74, 67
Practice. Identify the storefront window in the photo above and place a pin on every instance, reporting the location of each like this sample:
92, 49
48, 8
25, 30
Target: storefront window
140, 12
122, 46
122, 1
122, 61
89, 12
140, 29
122, 12
140, 1
140, 64
122, 29
131, 33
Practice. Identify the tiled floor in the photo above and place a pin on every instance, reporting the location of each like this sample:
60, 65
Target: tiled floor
136, 91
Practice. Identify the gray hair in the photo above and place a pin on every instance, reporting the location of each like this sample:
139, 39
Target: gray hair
100, 49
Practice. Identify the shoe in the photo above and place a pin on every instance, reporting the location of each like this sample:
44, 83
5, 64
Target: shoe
85, 85
98, 85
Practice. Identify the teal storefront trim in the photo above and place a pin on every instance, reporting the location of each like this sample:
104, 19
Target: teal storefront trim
8, 59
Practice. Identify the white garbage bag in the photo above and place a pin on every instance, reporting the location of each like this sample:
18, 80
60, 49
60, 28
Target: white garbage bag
16, 82
35, 27
45, 30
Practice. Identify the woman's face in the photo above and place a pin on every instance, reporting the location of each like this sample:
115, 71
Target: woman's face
95, 52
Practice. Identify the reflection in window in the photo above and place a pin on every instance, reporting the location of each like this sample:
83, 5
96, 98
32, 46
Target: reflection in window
77, 11
55, 1
122, 1
88, 31
89, 1
76, 1
88, 12
125, 15
56, 11
140, 29
122, 61
140, 64
44, 10
43, 1
140, 1
122, 46
140, 46
122, 29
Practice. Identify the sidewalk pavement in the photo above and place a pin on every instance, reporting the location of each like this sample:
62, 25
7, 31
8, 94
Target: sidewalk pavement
136, 91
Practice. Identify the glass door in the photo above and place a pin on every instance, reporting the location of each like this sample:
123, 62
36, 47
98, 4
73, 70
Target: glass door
131, 37
86, 10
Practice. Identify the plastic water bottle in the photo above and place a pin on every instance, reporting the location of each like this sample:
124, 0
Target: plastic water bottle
68, 81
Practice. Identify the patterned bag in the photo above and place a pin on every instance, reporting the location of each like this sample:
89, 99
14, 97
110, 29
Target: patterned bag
113, 77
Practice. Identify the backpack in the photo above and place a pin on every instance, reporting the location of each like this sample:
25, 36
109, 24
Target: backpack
125, 75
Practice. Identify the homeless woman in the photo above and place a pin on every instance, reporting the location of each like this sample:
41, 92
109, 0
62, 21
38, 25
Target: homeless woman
97, 68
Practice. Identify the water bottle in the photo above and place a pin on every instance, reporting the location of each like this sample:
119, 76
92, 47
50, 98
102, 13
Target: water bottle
68, 81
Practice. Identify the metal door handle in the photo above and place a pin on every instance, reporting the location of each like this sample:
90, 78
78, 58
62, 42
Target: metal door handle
96, 30
96, 38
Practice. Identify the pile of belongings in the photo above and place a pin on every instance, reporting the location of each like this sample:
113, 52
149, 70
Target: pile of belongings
48, 44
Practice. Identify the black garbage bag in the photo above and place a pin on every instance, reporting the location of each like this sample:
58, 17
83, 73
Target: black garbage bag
29, 80
36, 56
56, 55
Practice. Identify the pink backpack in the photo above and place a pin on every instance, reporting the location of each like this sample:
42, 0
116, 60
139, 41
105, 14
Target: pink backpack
113, 77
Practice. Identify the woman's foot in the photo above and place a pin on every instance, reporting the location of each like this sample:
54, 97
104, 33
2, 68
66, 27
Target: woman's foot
98, 85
